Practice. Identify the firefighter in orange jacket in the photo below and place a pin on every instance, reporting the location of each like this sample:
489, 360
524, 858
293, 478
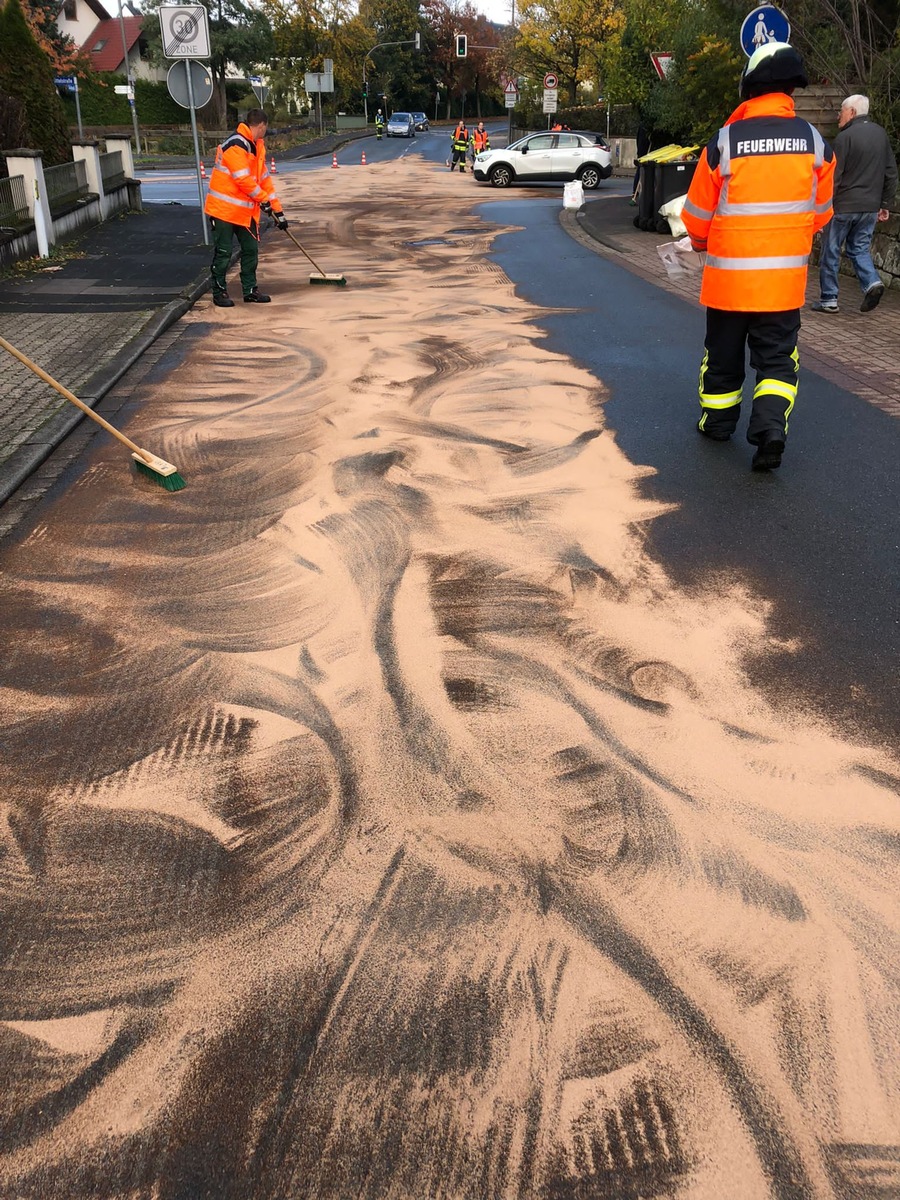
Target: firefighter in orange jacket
762, 188
239, 188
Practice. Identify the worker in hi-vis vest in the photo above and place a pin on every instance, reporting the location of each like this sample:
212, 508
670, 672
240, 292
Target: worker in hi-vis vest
761, 190
239, 188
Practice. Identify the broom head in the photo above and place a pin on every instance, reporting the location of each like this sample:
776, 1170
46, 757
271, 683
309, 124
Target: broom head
160, 471
334, 280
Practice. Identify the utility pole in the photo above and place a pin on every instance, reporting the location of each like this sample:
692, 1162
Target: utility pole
134, 116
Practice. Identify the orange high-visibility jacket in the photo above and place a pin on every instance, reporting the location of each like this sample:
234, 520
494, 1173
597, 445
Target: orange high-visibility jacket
480, 141
762, 188
240, 181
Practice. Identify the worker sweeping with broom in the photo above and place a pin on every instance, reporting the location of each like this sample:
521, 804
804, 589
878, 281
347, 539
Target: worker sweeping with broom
239, 188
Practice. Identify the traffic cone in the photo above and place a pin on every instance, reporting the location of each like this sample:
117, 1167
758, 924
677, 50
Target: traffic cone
273, 169
202, 170
334, 161
364, 159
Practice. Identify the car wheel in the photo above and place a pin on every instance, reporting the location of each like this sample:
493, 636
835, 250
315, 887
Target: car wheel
501, 176
590, 177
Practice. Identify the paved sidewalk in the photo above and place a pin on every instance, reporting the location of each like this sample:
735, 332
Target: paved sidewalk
87, 321
858, 351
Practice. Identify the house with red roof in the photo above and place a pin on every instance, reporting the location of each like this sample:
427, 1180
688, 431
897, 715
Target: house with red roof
107, 39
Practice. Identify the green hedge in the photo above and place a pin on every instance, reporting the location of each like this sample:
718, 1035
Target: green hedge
100, 105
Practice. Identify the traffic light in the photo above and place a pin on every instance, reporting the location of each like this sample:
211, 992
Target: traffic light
365, 90
461, 45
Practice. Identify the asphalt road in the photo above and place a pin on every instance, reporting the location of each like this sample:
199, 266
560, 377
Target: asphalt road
179, 186
819, 540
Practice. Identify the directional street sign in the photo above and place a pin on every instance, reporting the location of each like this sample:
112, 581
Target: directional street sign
66, 83
765, 24
185, 30
260, 89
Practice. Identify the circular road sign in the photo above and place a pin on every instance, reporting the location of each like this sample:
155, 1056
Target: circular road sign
551, 80
765, 24
176, 82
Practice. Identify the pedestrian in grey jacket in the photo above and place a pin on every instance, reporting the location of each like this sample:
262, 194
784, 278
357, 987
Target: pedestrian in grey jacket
865, 183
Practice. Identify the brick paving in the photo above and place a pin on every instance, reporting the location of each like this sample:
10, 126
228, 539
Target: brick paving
83, 320
858, 351
72, 347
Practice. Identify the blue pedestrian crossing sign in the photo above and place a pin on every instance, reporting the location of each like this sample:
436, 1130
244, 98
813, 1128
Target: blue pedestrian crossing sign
765, 24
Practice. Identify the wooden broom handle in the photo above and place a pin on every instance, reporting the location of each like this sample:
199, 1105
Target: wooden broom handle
302, 251
64, 391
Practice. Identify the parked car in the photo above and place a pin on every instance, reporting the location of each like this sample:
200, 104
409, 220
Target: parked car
575, 154
421, 121
401, 125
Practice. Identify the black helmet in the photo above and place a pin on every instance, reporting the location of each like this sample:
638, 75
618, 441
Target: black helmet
772, 68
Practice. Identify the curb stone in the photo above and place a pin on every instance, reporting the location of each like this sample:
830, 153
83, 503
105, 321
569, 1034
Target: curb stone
28, 457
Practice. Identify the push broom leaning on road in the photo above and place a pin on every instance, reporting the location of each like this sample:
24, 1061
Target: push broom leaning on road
337, 280
148, 464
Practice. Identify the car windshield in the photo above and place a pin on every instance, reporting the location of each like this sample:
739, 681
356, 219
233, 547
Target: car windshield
400, 117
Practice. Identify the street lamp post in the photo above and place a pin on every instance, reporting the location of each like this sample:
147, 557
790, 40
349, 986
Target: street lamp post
415, 41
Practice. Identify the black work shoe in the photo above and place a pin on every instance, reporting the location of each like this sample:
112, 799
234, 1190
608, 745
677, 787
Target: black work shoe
256, 297
222, 300
768, 454
714, 435
872, 297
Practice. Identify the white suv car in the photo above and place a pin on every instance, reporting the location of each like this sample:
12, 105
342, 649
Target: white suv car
573, 154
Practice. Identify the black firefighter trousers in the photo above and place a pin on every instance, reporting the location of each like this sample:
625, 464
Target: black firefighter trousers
772, 339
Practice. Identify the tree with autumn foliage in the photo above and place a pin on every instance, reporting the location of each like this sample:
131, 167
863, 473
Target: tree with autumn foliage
459, 77
65, 57
26, 86
563, 36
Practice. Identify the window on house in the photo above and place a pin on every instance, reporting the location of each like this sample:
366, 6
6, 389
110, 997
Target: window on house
99, 46
70, 10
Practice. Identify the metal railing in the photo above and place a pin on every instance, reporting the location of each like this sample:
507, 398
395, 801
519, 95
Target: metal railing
66, 185
13, 203
112, 172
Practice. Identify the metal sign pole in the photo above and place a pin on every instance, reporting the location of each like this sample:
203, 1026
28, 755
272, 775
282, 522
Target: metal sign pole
78, 108
190, 88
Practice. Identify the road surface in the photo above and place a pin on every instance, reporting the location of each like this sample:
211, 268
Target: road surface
391, 813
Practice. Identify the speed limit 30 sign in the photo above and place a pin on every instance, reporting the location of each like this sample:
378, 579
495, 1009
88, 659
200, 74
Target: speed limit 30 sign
185, 30
551, 80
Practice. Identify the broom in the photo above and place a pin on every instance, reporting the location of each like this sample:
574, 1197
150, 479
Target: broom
148, 464
337, 280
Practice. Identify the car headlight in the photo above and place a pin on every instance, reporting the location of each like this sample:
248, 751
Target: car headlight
482, 157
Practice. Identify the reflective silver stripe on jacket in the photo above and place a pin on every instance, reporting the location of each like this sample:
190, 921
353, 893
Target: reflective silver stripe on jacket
818, 146
702, 214
724, 144
770, 263
232, 199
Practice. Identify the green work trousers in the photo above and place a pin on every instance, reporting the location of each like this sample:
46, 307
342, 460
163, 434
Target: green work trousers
223, 235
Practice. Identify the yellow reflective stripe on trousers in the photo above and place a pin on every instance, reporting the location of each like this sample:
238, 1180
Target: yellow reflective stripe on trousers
716, 399
777, 387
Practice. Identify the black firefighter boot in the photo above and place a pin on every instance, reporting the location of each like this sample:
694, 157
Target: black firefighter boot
221, 298
256, 297
768, 452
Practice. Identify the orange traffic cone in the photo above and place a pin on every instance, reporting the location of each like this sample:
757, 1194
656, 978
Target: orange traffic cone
202, 170
334, 161
364, 159
273, 170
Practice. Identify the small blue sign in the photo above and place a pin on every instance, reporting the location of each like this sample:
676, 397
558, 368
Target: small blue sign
65, 82
765, 24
